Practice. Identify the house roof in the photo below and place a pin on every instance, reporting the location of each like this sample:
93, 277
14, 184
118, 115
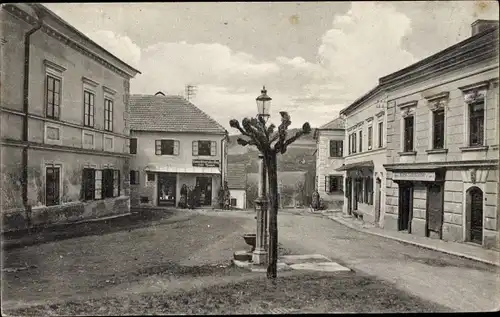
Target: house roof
169, 114
335, 124
236, 176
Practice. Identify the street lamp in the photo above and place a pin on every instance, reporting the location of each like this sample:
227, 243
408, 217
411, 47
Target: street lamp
263, 104
259, 256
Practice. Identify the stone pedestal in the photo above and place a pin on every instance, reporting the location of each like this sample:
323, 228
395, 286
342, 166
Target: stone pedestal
260, 253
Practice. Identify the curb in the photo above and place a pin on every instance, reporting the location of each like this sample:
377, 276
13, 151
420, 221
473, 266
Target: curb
421, 245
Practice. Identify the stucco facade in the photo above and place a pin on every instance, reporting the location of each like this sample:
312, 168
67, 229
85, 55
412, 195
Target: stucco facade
326, 167
59, 141
448, 192
365, 154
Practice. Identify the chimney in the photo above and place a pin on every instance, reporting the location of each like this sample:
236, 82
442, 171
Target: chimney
479, 26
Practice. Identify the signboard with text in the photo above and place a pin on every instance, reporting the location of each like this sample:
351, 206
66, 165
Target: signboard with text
414, 176
206, 163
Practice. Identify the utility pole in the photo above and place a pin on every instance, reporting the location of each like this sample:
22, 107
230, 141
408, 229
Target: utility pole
190, 91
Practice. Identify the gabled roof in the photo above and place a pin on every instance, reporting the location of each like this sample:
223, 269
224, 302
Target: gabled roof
335, 124
236, 176
169, 114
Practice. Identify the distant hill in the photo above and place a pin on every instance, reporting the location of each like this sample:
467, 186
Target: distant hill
234, 148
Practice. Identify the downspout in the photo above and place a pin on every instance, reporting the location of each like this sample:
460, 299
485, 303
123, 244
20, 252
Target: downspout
26, 73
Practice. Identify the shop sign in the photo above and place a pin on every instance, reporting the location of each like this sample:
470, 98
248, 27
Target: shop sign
206, 163
414, 176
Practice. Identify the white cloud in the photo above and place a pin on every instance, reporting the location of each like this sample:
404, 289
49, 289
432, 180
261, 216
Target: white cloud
365, 44
119, 45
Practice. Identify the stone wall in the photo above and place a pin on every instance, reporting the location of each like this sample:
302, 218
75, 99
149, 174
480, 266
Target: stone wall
18, 219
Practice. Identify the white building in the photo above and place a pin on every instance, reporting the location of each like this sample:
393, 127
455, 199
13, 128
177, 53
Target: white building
443, 118
237, 183
329, 157
174, 143
364, 156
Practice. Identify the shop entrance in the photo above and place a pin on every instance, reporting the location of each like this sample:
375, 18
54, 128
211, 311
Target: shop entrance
435, 202
204, 183
167, 184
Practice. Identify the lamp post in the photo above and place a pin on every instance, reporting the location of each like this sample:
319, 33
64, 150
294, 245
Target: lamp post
259, 255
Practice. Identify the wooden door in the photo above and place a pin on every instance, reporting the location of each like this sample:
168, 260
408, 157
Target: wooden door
348, 193
378, 199
405, 206
435, 196
476, 215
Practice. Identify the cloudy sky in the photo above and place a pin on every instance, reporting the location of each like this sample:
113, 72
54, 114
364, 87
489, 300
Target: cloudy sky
314, 58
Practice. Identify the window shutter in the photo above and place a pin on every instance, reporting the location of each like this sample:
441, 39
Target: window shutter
137, 179
213, 148
158, 147
327, 185
195, 148
176, 147
341, 149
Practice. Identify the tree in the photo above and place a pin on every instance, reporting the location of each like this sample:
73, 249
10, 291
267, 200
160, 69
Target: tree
270, 143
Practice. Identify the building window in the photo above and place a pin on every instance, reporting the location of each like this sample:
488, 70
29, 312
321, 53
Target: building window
134, 178
438, 132
133, 146
354, 142
88, 183
204, 148
408, 134
476, 124
88, 109
233, 202
108, 114
167, 147
335, 183
360, 141
349, 143
380, 134
370, 137
110, 183
336, 148
53, 93
150, 177
52, 187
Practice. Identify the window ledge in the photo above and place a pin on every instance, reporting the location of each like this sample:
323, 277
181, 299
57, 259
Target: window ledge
437, 151
475, 148
410, 153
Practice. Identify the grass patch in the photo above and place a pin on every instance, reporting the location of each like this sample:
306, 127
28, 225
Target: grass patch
305, 292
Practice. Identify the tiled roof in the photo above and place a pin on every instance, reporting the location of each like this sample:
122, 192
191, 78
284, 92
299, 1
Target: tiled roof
169, 114
334, 124
236, 176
